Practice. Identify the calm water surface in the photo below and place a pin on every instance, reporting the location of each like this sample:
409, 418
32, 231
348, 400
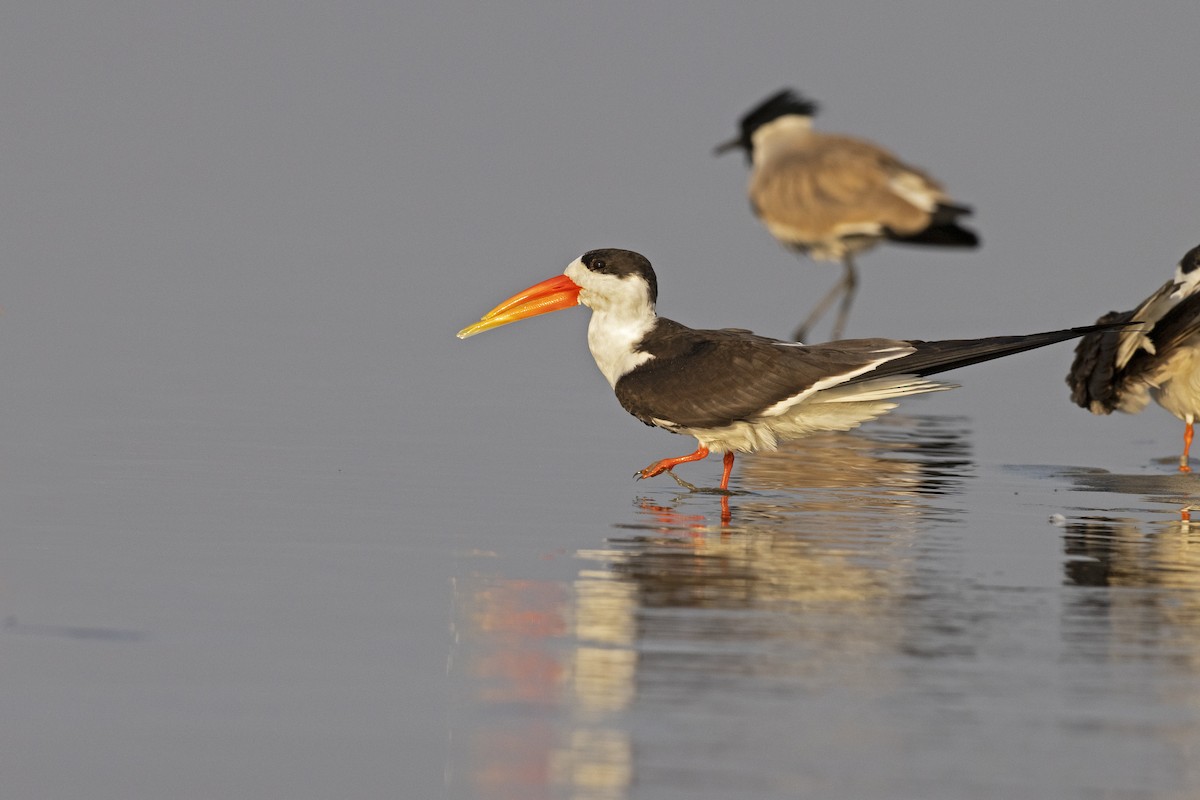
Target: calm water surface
877, 617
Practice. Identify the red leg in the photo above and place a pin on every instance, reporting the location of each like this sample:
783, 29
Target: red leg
1187, 445
728, 470
659, 467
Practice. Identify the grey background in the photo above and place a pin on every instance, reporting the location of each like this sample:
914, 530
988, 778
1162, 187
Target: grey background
241, 446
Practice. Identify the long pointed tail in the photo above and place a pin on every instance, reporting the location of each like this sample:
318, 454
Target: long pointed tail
934, 357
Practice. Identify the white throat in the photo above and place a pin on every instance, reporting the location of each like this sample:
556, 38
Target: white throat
622, 315
613, 337
779, 135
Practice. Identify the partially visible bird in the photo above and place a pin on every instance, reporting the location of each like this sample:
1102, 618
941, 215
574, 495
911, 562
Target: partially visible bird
732, 390
831, 196
1122, 370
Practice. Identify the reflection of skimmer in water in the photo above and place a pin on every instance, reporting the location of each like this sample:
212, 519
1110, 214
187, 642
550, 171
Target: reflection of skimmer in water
818, 579
899, 465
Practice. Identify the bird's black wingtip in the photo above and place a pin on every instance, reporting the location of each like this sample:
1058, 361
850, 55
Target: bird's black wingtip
943, 235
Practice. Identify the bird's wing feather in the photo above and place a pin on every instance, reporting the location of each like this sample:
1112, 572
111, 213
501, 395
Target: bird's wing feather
842, 183
1114, 370
1175, 334
1095, 379
709, 379
1150, 311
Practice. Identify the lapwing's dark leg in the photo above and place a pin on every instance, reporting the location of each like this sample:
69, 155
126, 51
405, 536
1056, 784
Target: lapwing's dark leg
845, 287
849, 287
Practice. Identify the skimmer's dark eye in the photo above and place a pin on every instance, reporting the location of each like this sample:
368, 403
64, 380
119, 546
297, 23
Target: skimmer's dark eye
598, 265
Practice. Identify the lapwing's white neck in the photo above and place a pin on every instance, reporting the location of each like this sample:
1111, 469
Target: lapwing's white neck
778, 135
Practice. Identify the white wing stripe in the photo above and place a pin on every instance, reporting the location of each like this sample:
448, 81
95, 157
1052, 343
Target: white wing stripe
889, 354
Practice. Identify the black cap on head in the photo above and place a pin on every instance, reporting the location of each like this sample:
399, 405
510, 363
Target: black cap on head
622, 263
780, 104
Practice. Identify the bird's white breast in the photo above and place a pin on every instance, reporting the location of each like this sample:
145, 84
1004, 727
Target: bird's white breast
613, 342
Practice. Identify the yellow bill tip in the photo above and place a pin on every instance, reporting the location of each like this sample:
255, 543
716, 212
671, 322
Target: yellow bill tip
553, 294
470, 330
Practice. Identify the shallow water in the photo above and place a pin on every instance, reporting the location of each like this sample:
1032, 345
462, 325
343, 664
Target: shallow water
878, 617
241, 605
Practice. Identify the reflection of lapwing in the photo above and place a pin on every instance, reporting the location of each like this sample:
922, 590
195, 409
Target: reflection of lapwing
732, 390
1123, 370
832, 196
